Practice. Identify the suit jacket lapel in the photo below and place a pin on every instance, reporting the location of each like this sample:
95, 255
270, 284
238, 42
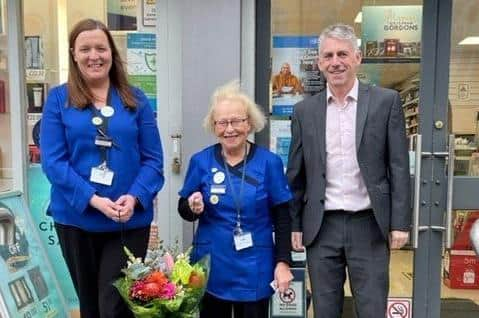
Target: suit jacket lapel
320, 120
361, 112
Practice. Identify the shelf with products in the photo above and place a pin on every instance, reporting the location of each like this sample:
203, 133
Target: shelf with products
409, 93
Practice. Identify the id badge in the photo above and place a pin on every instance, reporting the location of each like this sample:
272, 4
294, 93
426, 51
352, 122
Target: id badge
102, 141
243, 240
101, 175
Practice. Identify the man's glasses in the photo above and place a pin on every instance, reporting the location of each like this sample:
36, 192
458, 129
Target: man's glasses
235, 123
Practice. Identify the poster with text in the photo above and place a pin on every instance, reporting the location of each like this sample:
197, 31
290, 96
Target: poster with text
391, 34
39, 198
280, 138
295, 71
141, 63
28, 286
149, 13
121, 15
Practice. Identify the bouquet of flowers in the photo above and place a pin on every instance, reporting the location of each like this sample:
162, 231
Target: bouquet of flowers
165, 285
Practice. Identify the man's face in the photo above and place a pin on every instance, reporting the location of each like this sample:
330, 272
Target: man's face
339, 62
285, 69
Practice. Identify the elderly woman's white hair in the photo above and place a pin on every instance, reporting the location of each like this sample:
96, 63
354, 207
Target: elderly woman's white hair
232, 91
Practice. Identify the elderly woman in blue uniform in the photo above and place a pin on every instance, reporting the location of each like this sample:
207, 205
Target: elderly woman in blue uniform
239, 193
101, 151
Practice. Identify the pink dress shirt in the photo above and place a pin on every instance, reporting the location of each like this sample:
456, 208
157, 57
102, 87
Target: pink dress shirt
345, 188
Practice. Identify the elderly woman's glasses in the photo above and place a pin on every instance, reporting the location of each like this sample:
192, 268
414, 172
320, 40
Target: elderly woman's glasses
235, 123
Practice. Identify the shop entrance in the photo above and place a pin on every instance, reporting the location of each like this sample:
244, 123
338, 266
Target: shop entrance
409, 46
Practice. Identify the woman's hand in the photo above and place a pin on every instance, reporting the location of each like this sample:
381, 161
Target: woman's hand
127, 204
195, 201
105, 206
282, 276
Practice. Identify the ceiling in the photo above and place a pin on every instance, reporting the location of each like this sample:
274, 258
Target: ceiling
307, 17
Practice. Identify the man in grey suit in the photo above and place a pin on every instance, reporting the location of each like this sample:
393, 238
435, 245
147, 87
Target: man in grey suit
349, 171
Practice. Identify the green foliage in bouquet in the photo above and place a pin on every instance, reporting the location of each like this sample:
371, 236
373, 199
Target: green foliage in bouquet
164, 286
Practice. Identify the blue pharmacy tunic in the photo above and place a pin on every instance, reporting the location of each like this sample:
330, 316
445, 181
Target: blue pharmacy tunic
68, 152
242, 275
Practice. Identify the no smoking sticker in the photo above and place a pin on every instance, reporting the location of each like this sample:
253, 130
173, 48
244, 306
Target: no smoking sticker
399, 308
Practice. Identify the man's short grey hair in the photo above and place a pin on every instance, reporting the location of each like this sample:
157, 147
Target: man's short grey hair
341, 32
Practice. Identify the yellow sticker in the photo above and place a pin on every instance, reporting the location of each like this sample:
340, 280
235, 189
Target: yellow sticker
214, 199
97, 121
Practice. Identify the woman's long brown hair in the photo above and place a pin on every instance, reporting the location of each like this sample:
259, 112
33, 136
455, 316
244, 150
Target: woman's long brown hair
78, 92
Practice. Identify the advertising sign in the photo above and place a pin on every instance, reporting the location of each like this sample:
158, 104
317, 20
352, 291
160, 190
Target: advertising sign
391, 34
295, 71
141, 63
39, 198
28, 287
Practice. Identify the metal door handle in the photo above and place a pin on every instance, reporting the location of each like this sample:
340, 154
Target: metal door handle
450, 184
417, 192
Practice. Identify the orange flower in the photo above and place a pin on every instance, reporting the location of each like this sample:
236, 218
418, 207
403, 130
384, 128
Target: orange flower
156, 277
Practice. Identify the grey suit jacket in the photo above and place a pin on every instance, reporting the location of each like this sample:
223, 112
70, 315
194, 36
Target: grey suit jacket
382, 152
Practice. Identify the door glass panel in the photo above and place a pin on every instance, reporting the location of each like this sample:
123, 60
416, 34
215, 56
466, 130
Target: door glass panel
390, 35
460, 282
6, 171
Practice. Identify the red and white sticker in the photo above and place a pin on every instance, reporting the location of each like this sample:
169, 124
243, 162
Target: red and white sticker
399, 308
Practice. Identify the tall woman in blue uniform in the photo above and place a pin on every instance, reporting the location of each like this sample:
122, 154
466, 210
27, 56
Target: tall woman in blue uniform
101, 151
239, 193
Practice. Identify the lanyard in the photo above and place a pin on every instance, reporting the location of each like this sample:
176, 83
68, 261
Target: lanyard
236, 198
102, 129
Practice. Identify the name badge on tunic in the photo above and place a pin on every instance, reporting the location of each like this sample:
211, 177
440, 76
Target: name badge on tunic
243, 240
102, 175
103, 141
218, 189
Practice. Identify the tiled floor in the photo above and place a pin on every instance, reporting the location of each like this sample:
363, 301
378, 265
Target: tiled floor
401, 281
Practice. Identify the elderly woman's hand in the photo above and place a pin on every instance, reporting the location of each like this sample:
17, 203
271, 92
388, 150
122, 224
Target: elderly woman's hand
195, 201
282, 276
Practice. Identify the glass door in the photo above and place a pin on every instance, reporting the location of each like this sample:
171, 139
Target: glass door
460, 272
391, 35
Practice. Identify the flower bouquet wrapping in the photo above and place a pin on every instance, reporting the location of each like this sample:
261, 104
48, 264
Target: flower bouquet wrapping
165, 285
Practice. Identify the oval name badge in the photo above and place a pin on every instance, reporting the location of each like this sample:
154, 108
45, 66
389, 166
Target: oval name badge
107, 111
219, 177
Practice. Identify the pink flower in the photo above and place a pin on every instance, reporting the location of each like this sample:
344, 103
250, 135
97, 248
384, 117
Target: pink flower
168, 291
169, 261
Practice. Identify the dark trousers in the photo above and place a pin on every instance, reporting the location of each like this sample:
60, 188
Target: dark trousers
214, 307
95, 261
351, 241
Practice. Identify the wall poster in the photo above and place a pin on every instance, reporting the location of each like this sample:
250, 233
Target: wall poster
280, 138
295, 71
121, 15
149, 13
141, 63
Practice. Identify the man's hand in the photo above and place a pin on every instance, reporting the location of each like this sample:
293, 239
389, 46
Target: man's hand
297, 241
282, 276
195, 201
127, 204
398, 239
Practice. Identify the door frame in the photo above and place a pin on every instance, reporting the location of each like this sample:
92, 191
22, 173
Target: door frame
433, 110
